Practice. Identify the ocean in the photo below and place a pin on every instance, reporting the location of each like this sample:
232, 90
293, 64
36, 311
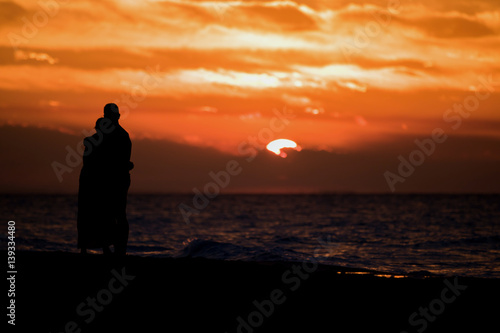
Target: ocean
398, 234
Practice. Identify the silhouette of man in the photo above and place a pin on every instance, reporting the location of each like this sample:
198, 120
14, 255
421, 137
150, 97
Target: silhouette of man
117, 149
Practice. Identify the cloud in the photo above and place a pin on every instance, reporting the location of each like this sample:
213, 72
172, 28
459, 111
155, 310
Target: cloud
285, 18
20, 55
246, 60
10, 12
450, 27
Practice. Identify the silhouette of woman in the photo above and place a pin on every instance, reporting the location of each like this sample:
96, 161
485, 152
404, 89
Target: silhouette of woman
95, 222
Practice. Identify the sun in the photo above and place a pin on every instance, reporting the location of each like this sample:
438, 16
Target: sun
277, 146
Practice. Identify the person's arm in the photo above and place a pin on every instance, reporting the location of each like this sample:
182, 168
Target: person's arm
126, 152
130, 163
87, 151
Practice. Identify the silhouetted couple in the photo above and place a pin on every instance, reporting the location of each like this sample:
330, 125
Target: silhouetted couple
104, 184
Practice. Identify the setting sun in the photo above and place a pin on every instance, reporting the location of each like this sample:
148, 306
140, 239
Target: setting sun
277, 146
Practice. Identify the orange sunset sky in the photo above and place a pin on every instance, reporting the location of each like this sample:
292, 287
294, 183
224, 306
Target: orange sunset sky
357, 81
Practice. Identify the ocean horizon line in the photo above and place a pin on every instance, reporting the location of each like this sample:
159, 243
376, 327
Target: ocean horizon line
182, 193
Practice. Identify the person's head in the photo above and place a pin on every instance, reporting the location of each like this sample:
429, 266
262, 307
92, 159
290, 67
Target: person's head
104, 126
99, 123
111, 112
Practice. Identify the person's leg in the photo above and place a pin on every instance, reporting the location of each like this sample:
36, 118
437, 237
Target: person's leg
122, 228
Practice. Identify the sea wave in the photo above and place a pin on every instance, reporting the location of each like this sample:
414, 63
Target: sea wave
210, 249
194, 248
